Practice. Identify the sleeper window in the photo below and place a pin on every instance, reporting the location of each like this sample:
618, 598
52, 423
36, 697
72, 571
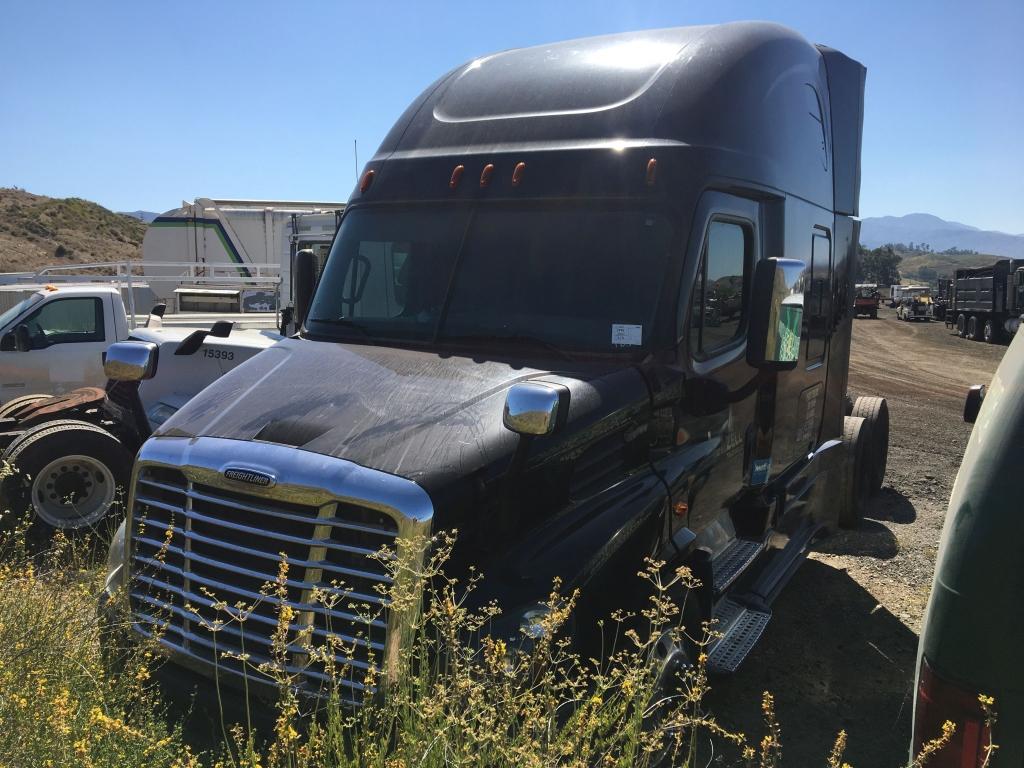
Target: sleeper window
718, 309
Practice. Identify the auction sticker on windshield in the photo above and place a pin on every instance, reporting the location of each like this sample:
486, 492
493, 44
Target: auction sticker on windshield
626, 335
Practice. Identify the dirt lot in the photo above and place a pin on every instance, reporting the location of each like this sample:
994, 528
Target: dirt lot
840, 650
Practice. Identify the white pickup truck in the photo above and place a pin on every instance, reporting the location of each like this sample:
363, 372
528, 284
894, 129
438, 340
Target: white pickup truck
66, 330
73, 452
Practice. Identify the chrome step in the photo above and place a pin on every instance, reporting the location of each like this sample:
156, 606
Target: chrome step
741, 628
728, 564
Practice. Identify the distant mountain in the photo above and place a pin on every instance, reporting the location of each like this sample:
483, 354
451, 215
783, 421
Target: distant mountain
146, 216
939, 234
38, 231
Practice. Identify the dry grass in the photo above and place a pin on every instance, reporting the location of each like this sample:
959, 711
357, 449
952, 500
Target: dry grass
38, 231
455, 697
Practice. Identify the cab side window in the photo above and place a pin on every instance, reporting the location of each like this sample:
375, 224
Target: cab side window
718, 311
818, 299
66, 321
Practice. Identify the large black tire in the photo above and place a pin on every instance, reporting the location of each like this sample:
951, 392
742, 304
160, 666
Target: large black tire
70, 474
972, 328
8, 408
990, 332
961, 325
855, 475
875, 411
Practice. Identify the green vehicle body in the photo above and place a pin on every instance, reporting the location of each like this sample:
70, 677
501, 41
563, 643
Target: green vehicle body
974, 627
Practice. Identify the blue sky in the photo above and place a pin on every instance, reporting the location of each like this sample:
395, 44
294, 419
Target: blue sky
143, 104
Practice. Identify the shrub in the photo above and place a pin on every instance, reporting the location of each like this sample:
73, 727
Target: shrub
456, 696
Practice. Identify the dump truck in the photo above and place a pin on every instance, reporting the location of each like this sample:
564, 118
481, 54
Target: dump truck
866, 299
942, 300
246, 233
590, 302
971, 638
988, 301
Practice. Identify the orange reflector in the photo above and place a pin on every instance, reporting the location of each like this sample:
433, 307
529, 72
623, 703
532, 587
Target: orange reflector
652, 169
517, 174
50, 287
367, 181
456, 176
485, 175
681, 508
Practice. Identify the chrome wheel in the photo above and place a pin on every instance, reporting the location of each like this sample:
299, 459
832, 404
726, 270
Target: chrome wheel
73, 492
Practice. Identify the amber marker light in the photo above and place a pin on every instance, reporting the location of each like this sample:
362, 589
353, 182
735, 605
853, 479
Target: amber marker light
652, 171
485, 175
367, 180
517, 174
453, 182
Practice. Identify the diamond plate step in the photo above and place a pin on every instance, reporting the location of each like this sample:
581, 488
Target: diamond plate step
733, 560
741, 628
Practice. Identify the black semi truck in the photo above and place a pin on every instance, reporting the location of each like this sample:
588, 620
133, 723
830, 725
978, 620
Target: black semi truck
589, 302
988, 302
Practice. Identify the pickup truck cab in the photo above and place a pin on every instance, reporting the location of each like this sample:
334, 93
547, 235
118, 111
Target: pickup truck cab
72, 452
590, 302
65, 331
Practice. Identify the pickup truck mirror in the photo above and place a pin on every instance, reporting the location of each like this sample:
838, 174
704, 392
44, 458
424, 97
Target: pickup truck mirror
130, 361
776, 314
8, 343
535, 408
22, 338
975, 397
303, 282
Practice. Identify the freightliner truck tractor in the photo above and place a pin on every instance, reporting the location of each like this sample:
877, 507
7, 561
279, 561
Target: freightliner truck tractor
589, 302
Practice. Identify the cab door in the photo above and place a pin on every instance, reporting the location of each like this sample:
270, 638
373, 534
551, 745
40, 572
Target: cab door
707, 460
67, 337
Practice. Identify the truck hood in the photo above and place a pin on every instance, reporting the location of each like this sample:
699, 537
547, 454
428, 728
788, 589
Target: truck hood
418, 414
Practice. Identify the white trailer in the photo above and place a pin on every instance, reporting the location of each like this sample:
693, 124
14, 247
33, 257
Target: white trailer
255, 235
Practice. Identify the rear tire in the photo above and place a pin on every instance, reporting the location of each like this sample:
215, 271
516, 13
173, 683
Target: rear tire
961, 326
990, 332
972, 328
875, 411
69, 474
11, 406
855, 476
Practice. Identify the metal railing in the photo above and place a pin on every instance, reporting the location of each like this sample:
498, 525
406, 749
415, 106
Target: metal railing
182, 272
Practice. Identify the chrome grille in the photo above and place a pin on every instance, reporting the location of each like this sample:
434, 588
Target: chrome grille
195, 542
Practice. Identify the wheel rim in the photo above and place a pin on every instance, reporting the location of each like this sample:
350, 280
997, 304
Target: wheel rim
73, 491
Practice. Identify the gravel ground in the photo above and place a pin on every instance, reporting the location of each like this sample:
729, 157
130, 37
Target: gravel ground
840, 650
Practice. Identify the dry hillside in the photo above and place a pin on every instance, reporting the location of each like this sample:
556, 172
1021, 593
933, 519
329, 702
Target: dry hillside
38, 231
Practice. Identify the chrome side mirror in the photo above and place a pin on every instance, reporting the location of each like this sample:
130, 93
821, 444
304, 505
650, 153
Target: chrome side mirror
130, 361
535, 407
776, 314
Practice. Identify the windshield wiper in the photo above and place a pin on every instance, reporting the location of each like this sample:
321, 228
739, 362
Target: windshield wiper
515, 338
343, 322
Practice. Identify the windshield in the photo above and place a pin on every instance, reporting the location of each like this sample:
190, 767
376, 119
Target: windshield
17, 309
579, 279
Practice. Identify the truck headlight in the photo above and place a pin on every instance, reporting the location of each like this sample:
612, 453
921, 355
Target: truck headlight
115, 561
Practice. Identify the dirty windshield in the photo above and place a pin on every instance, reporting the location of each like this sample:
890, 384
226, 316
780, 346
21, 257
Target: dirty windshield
17, 309
569, 279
